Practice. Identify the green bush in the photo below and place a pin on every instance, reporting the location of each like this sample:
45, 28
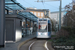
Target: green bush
60, 39
71, 30
62, 33
65, 41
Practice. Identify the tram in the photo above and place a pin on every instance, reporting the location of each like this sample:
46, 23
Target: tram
43, 28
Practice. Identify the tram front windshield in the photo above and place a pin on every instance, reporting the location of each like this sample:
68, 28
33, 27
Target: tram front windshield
42, 26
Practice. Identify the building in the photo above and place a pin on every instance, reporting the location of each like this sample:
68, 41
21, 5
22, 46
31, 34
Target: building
73, 1
55, 16
40, 13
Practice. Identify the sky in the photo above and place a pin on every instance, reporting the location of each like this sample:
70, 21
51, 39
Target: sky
52, 5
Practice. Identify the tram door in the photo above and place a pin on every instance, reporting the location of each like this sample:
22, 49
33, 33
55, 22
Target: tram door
49, 27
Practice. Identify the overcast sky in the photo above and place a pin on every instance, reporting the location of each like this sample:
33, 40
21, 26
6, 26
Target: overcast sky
52, 5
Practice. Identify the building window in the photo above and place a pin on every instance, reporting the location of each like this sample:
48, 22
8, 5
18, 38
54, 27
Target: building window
38, 14
34, 13
42, 14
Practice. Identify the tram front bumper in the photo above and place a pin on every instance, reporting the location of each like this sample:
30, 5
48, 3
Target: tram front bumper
43, 37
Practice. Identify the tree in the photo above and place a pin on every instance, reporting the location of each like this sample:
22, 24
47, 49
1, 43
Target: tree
69, 18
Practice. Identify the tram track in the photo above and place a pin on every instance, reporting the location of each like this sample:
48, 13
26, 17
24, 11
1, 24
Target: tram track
26, 45
31, 45
35, 44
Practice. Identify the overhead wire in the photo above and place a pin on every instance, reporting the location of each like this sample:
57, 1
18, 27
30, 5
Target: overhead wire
29, 3
51, 5
48, 5
43, 4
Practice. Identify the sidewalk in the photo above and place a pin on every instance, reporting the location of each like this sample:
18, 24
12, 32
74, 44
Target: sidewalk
15, 46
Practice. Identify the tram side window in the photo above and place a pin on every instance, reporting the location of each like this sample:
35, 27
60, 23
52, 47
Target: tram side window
49, 27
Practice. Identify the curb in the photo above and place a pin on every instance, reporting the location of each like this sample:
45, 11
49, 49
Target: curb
24, 42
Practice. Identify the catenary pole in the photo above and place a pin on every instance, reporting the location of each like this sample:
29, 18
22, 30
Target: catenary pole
60, 15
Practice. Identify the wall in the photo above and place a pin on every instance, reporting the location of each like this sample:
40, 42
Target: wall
37, 14
55, 16
10, 31
18, 33
15, 27
2, 23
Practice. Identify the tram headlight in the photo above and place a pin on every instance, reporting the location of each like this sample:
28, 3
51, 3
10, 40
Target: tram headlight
45, 33
39, 33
